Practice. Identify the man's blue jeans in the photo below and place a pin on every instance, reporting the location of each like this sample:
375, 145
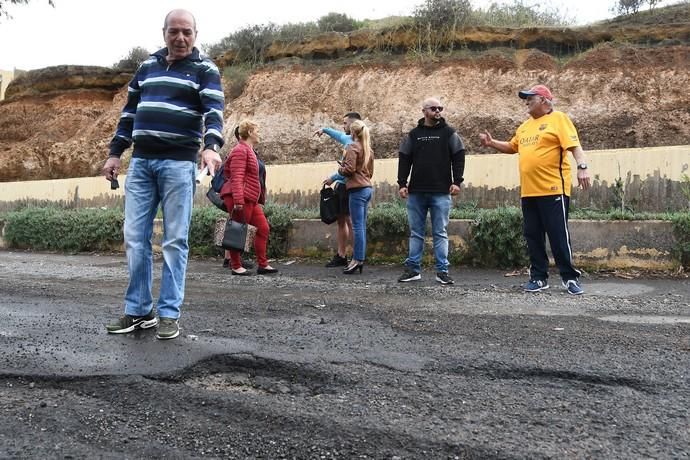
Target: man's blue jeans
359, 206
438, 205
149, 183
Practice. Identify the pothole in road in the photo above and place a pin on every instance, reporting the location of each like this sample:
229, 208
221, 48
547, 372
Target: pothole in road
647, 319
251, 375
246, 383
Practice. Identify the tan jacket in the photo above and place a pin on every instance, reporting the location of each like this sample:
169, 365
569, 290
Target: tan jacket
358, 174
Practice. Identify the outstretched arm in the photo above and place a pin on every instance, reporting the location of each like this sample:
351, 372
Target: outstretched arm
488, 141
339, 136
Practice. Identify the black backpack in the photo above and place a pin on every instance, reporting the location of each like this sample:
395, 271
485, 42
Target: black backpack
328, 205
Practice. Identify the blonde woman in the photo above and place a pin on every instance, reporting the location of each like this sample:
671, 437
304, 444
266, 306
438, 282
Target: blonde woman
358, 167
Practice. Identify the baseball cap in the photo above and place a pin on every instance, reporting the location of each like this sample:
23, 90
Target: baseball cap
539, 90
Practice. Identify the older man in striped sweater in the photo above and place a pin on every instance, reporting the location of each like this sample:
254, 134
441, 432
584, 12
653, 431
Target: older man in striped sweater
174, 108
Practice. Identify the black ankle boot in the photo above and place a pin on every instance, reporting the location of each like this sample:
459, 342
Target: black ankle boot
337, 261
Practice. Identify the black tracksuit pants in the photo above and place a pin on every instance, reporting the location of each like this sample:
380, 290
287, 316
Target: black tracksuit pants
548, 215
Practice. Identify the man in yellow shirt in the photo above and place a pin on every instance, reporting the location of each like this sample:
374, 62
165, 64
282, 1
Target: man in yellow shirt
545, 180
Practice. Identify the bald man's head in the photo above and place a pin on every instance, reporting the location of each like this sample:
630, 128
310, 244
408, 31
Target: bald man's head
176, 12
179, 33
432, 108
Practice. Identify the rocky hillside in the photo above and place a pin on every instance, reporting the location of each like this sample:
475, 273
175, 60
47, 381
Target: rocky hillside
58, 122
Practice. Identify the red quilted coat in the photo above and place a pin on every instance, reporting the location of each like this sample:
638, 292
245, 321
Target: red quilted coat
241, 173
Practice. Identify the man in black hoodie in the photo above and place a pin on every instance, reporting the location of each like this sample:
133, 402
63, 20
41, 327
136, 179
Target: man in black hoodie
435, 154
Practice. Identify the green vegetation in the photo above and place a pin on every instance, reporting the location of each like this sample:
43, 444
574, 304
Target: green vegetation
251, 42
69, 230
518, 14
495, 234
681, 232
235, 77
497, 239
633, 6
132, 60
387, 221
3, 7
436, 23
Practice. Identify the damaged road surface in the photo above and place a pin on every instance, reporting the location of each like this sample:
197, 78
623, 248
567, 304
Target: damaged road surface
314, 364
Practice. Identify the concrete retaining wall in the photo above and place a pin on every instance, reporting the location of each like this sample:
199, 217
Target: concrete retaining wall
596, 244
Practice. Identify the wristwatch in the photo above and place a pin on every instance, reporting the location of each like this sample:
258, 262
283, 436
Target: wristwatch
582, 166
216, 148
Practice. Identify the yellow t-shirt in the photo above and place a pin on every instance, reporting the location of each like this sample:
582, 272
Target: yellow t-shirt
542, 144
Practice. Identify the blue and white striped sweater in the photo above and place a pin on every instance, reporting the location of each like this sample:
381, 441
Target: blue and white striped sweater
170, 107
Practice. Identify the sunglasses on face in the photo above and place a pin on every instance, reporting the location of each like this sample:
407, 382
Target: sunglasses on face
435, 108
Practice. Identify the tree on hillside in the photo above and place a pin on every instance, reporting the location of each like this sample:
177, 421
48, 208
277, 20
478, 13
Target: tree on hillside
518, 14
133, 59
628, 6
437, 22
442, 14
632, 6
4, 3
337, 22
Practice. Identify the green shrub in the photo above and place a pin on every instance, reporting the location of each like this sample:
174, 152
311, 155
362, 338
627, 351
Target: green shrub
235, 77
387, 221
681, 233
463, 209
132, 60
202, 229
519, 14
64, 229
337, 22
280, 219
497, 239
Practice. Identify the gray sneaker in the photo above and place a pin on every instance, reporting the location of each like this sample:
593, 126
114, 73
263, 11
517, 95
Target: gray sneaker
168, 329
443, 278
409, 275
130, 323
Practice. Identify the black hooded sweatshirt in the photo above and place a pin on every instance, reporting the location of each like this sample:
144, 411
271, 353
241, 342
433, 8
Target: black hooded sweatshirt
433, 153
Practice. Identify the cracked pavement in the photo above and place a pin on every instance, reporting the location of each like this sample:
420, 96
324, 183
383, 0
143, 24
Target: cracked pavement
314, 364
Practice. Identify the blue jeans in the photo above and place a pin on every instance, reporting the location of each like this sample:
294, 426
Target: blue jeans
438, 205
359, 207
149, 183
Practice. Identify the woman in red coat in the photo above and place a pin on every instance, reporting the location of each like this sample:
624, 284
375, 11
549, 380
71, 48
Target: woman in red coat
243, 195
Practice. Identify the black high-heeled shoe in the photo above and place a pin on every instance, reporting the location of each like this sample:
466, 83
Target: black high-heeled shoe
353, 269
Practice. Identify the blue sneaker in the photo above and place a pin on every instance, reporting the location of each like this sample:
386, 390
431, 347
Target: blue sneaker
573, 287
536, 285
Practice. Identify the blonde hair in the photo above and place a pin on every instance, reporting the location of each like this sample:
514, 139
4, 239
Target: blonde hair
361, 133
246, 126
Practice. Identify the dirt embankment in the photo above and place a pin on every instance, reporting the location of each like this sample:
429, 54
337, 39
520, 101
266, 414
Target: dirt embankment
619, 96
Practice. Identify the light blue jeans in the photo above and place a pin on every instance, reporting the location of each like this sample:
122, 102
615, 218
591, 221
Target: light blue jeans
359, 207
149, 183
438, 205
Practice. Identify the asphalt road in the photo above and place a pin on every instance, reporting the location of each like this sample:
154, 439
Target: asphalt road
315, 364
